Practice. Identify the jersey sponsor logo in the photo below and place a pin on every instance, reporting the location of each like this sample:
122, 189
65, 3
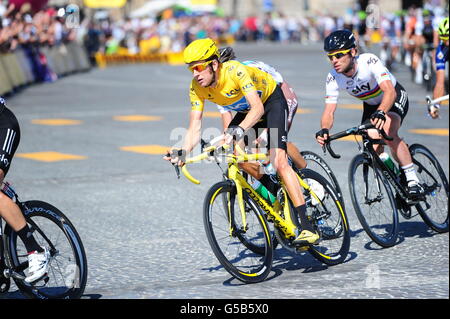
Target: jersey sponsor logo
241, 105
4, 160
248, 86
358, 89
330, 79
232, 92
372, 60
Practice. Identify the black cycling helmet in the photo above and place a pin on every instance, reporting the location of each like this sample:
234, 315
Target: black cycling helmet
339, 40
226, 54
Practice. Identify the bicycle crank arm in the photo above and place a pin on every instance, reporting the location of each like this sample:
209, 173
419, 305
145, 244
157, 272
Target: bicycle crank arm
9, 273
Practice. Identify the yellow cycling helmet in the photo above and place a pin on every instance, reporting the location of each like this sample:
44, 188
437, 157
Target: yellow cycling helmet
443, 28
199, 50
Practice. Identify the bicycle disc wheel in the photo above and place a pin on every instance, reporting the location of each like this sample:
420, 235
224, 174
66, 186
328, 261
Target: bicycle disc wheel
373, 201
318, 164
232, 242
67, 271
328, 217
434, 211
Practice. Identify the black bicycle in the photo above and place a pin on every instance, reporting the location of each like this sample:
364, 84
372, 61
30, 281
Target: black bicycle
67, 273
378, 194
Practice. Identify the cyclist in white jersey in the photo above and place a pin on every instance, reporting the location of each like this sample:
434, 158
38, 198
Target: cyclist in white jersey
385, 100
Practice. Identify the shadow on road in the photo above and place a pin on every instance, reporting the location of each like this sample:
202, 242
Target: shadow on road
407, 230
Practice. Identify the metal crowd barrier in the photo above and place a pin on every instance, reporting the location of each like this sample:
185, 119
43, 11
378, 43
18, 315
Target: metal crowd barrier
17, 68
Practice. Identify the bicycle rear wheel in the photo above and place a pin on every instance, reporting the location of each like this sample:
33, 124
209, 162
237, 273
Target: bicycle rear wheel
373, 201
318, 164
434, 211
232, 242
328, 217
67, 272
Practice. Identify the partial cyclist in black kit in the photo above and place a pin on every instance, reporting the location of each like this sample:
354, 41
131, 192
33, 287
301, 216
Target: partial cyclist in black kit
38, 257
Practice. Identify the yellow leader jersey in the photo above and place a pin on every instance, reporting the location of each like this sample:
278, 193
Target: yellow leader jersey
235, 81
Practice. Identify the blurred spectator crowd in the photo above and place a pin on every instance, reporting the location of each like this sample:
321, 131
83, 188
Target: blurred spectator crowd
170, 31
20, 28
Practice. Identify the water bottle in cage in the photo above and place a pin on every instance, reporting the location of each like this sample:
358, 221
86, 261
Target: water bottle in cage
270, 170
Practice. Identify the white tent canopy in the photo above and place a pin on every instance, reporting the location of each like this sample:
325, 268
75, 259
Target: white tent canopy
152, 8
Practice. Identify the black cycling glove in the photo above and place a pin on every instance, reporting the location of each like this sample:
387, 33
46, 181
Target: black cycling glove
378, 115
323, 132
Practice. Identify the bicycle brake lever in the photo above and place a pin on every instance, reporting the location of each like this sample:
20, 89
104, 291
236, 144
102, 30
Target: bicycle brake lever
385, 136
177, 168
332, 153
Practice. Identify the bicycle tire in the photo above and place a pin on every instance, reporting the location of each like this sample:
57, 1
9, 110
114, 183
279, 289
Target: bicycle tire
68, 264
383, 232
436, 187
231, 250
314, 158
328, 218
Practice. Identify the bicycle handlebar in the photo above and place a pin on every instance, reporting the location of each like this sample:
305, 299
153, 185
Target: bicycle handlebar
438, 100
211, 150
352, 131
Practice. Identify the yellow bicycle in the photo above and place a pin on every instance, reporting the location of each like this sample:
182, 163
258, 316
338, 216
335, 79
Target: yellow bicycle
236, 218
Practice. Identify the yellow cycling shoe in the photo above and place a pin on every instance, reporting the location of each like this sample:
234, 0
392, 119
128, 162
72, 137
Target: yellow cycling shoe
307, 237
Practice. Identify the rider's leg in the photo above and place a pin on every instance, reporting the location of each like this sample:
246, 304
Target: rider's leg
11, 213
296, 156
399, 148
278, 158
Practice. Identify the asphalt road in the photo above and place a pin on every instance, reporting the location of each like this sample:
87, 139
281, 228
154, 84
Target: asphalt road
142, 228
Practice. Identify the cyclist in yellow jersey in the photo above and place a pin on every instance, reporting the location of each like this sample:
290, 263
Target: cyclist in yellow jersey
259, 103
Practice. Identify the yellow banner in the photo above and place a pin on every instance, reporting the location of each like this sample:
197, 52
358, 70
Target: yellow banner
203, 2
104, 3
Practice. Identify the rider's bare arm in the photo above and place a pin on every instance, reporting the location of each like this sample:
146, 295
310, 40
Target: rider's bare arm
256, 110
389, 96
326, 122
194, 131
328, 115
439, 88
226, 119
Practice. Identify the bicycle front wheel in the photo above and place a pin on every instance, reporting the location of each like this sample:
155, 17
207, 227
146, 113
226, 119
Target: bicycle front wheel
434, 211
67, 272
232, 242
373, 201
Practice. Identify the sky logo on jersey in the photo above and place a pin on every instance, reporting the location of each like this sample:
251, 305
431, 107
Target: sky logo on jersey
365, 93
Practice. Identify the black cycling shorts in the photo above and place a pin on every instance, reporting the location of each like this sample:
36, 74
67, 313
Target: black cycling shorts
9, 137
275, 118
401, 105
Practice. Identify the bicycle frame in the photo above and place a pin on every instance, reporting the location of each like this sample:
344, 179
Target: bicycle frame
369, 143
388, 173
285, 224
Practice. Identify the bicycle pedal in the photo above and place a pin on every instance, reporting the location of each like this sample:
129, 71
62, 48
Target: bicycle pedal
44, 278
302, 248
415, 200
